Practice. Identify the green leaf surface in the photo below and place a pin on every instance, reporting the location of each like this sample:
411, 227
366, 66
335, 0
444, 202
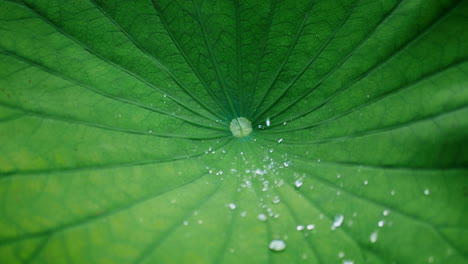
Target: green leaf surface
116, 144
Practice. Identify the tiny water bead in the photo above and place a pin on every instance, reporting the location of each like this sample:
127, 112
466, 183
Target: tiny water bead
373, 237
337, 221
240, 127
277, 245
232, 206
262, 217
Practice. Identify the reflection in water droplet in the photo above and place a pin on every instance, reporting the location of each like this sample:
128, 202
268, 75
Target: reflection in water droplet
386, 212
267, 122
337, 222
300, 227
366, 182
277, 245
373, 237
427, 191
280, 140
310, 226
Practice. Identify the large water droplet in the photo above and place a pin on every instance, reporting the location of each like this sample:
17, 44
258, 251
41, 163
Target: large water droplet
240, 127
277, 245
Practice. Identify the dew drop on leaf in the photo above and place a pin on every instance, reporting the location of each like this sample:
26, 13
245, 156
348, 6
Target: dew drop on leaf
337, 222
373, 237
298, 183
427, 191
276, 200
240, 127
232, 206
277, 245
381, 223
262, 217
300, 227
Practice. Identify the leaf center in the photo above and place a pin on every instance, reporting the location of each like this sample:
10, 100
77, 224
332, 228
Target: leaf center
240, 127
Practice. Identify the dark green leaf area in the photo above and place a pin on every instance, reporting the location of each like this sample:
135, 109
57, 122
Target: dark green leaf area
116, 144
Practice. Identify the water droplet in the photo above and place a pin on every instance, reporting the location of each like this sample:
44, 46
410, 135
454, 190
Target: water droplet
430, 259
337, 222
386, 212
373, 237
267, 122
381, 223
259, 172
262, 217
284, 123
366, 182
276, 200
341, 254
185, 223
300, 227
280, 140
348, 261
277, 245
427, 191
243, 214
200, 222
298, 183
232, 206
310, 226
240, 127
